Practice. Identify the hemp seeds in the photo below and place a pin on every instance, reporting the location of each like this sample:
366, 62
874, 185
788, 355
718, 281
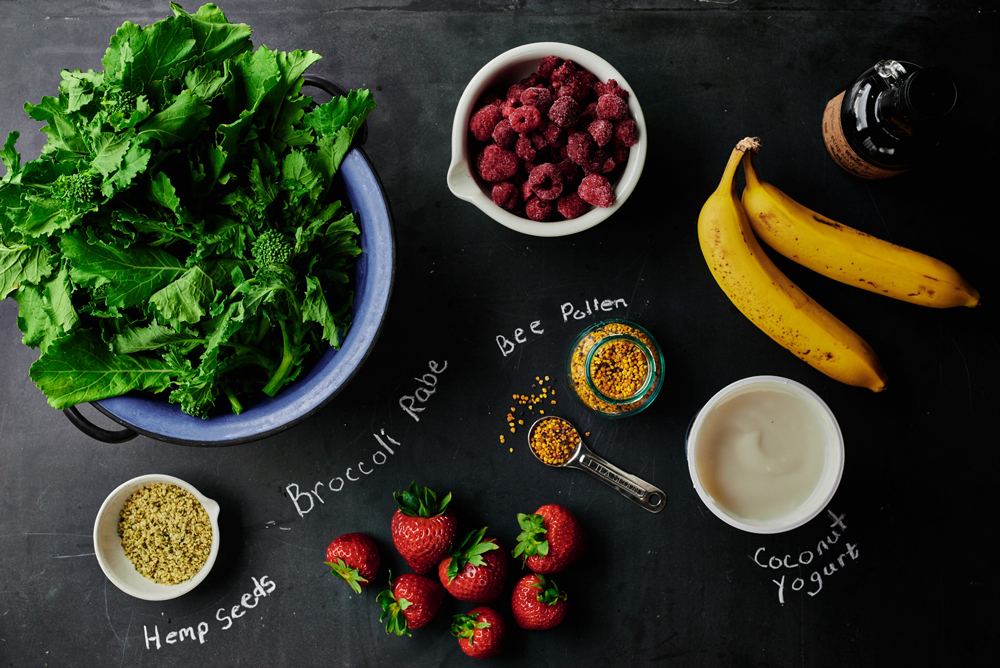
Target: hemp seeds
166, 533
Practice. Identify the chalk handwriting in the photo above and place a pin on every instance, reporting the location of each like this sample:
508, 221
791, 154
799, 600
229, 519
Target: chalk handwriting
311, 495
261, 589
829, 559
508, 346
408, 402
568, 310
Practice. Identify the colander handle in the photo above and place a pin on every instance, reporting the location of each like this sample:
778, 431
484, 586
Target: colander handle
95, 432
335, 90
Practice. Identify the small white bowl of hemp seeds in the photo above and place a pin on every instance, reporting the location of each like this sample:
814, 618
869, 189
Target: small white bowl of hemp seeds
156, 537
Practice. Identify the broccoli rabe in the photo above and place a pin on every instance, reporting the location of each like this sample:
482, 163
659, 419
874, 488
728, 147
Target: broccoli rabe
272, 247
79, 188
121, 102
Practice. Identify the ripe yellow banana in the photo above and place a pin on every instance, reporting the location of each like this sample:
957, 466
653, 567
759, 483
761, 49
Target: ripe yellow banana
848, 255
771, 301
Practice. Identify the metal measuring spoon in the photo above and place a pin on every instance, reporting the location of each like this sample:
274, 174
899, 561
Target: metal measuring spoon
632, 488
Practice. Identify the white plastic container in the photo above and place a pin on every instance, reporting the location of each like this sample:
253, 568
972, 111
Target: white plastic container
833, 453
111, 554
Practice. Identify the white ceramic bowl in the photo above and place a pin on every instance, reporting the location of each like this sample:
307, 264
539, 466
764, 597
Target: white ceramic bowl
833, 466
505, 70
111, 554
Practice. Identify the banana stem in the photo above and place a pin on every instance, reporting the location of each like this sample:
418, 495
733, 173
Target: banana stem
750, 170
746, 146
729, 176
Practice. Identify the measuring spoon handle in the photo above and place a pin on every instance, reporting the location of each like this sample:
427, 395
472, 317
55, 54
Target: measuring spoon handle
634, 489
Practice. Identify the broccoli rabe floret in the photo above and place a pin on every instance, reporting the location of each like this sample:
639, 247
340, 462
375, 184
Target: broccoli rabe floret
272, 247
122, 102
79, 188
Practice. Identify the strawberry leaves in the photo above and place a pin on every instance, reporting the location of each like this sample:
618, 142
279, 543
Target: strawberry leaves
421, 501
464, 626
349, 574
531, 541
469, 551
549, 593
392, 611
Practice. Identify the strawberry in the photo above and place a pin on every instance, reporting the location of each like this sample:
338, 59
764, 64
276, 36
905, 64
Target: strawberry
423, 527
551, 539
537, 603
354, 557
475, 570
481, 633
409, 603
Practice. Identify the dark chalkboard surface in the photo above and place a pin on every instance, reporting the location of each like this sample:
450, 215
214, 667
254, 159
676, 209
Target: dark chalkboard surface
913, 512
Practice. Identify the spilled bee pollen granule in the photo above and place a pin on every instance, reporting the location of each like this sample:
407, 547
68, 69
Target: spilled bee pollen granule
166, 533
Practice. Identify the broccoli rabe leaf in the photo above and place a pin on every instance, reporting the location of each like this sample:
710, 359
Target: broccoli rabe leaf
80, 367
22, 265
46, 313
10, 157
132, 274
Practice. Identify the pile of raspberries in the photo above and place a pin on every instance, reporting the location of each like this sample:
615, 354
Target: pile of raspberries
554, 141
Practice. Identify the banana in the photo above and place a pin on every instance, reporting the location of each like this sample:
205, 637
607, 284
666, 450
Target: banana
771, 301
848, 255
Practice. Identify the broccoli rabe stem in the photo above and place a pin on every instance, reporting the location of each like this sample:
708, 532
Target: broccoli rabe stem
233, 401
287, 359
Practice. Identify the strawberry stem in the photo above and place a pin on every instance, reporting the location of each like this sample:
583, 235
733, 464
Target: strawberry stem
421, 501
469, 551
350, 575
392, 611
531, 541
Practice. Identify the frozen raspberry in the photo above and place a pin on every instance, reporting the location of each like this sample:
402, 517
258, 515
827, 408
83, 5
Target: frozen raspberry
525, 119
532, 80
506, 195
538, 209
526, 191
596, 190
610, 88
576, 86
514, 93
600, 163
538, 97
503, 135
580, 148
589, 112
548, 65
496, 164
571, 206
569, 170
508, 108
601, 131
611, 108
562, 73
546, 181
564, 112
483, 122
490, 97
619, 154
525, 149
538, 139
626, 132
552, 132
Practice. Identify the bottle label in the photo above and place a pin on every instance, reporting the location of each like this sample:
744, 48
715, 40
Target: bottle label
841, 151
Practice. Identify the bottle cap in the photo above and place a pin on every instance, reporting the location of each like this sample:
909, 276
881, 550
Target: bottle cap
930, 93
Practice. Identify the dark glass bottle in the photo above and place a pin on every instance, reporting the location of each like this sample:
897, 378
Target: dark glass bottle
889, 119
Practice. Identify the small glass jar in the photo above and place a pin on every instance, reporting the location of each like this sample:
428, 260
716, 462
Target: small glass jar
615, 368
